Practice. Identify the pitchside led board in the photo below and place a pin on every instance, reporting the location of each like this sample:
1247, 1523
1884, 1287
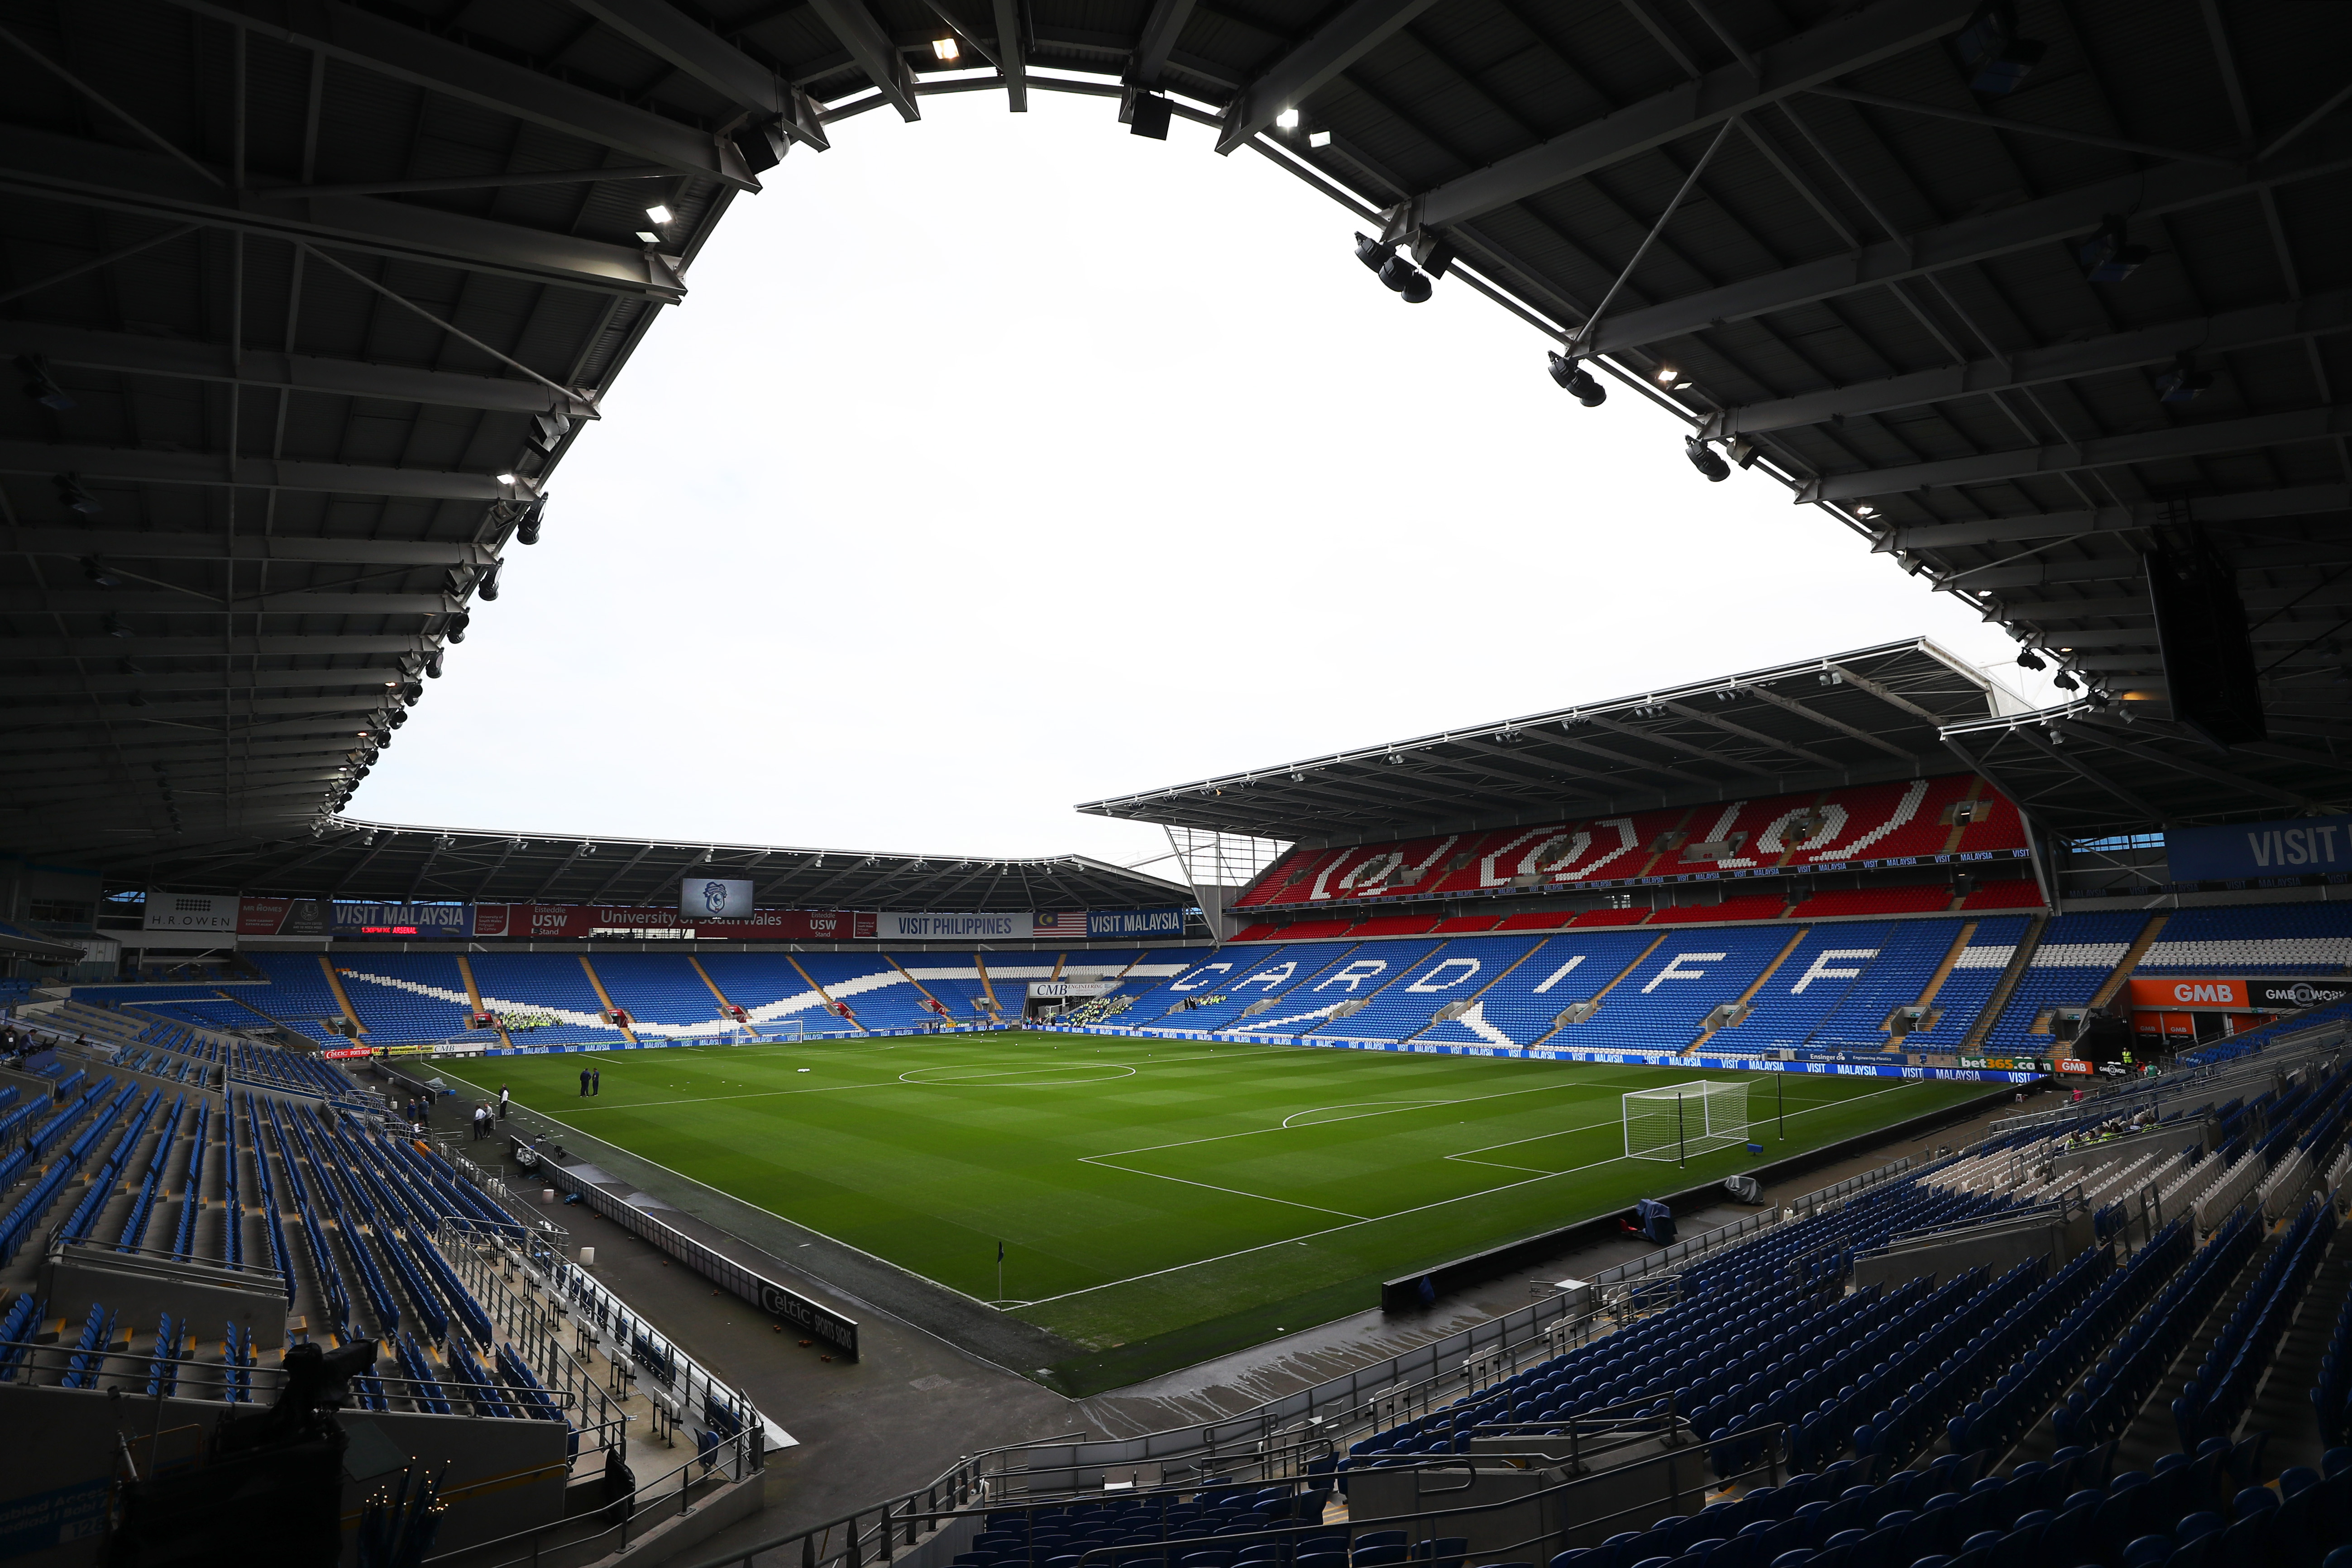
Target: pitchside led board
2294, 846
714, 898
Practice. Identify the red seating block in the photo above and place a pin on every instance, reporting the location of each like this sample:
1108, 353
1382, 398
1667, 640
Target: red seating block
2020, 894
1755, 907
1610, 917
1464, 924
1393, 926
1541, 920
1928, 900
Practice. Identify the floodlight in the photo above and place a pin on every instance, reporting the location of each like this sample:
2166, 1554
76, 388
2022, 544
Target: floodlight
76, 498
1668, 375
647, 236
2184, 380
1990, 54
1574, 378
1286, 120
658, 212
115, 628
96, 570
1865, 510
433, 664
2065, 682
1318, 139
455, 630
1745, 452
1705, 459
39, 385
946, 48
2107, 255
1416, 290
506, 478
2029, 660
487, 585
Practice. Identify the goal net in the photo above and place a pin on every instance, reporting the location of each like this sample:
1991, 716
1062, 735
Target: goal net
1685, 1119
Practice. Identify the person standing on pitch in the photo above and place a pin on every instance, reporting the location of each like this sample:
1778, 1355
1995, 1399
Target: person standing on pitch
595, 1080
584, 1083
503, 1098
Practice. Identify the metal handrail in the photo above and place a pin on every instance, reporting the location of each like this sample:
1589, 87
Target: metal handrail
631, 1508
849, 1554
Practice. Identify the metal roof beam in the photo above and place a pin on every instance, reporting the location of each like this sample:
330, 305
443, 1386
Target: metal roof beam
1790, 706
1155, 43
41, 164
2101, 568
1671, 742
102, 464
2031, 735
2313, 317
2067, 214
2101, 729
360, 37
2105, 606
212, 650
126, 544
2250, 506
135, 601
2100, 452
694, 50
872, 51
106, 681
1356, 30
80, 349
1010, 59
1859, 39
1718, 722
124, 711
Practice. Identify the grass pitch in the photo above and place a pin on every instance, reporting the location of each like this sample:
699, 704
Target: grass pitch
1163, 1201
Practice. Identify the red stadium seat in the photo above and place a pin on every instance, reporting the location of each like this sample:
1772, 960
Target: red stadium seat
1591, 917
2020, 894
1541, 920
1264, 931
1463, 924
1929, 900
1755, 907
1393, 926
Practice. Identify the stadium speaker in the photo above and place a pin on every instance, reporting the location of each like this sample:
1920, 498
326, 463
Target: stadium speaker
2200, 631
1150, 117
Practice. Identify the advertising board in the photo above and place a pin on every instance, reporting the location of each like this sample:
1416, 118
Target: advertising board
2241, 851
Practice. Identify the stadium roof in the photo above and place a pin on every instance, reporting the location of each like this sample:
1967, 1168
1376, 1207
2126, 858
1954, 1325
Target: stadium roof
312, 298
1853, 718
400, 862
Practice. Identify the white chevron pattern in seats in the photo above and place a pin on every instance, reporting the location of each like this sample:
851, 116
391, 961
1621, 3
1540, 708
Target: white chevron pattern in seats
563, 1015
2298, 952
841, 990
2079, 954
1475, 1020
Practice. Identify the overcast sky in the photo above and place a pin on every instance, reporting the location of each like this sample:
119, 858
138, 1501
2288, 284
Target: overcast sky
1001, 461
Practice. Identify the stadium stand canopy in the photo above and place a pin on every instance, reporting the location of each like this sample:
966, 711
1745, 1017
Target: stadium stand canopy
380, 860
1896, 711
308, 303
1873, 715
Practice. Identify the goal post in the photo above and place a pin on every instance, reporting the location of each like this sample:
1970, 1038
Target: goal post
1684, 1119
